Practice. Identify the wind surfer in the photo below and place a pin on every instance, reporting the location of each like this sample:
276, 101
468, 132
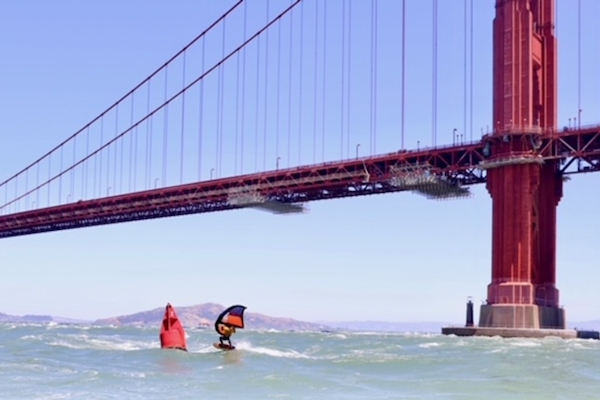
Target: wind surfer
226, 332
226, 323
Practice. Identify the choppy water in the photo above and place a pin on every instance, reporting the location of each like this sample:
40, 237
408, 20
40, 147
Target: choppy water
77, 362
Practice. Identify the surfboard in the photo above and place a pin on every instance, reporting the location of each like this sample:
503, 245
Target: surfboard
223, 346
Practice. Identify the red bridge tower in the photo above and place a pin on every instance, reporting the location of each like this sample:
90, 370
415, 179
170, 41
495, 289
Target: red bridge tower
525, 190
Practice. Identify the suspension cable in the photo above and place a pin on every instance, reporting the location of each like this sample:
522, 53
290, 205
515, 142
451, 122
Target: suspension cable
216, 22
157, 109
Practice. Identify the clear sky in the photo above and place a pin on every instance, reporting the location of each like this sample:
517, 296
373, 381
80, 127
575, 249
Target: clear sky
395, 257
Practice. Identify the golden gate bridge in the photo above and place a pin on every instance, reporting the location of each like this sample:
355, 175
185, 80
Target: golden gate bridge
220, 125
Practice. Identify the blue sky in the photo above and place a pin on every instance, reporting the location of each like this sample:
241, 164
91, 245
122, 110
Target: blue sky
396, 257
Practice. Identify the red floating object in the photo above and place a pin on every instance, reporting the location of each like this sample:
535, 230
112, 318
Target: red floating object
172, 334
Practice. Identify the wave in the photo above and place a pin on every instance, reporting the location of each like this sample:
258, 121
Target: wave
248, 347
84, 341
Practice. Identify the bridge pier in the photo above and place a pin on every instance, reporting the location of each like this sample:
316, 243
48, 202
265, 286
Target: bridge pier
521, 316
525, 189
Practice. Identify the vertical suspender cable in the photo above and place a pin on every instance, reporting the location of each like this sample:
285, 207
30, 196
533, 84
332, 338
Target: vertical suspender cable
237, 111
375, 82
165, 131
218, 119
49, 170
72, 190
26, 188
315, 84
403, 73
87, 150
349, 78
290, 47
301, 71
99, 170
221, 94
471, 76
243, 91
464, 130
16, 207
265, 114
116, 150
278, 101
221, 118
201, 114
343, 79
579, 62
60, 178
256, 104
182, 127
37, 192
149, 138
324, 78
372, 105
434, 75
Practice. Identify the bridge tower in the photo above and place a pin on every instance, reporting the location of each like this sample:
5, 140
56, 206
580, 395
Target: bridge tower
525, 190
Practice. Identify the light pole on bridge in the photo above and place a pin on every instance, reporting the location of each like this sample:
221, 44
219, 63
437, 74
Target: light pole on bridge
277, 163
156, 183
108, 191
211, 173
357, 147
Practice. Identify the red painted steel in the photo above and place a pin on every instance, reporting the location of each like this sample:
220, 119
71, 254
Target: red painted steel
576, 151
524, 196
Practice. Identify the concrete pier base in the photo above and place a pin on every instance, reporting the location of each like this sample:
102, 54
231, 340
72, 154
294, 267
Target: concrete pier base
520, 333
510, 332
521, 316
519, 321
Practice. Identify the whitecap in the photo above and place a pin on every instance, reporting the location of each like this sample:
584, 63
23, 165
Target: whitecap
270, 352
428, 345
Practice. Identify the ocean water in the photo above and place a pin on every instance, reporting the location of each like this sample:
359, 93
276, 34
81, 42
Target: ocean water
53, 361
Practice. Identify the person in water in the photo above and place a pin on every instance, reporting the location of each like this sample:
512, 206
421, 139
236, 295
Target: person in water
226, 332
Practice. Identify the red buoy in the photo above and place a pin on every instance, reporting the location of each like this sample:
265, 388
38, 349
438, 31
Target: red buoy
172, 334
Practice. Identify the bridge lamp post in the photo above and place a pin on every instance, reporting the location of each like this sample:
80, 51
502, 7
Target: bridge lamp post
156, 183
357, 147
68, 197
580, 118
108, 190
277, 163
211, 172
454, 136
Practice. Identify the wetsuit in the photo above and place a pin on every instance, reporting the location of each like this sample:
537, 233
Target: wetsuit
226, 333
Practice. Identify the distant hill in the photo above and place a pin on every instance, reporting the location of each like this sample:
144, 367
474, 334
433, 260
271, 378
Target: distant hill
41, 319
204, 315
383, 326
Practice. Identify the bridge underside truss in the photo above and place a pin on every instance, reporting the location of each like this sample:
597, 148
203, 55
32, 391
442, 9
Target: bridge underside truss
436, 173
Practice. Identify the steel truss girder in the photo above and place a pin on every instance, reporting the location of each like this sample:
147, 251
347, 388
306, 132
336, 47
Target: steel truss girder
349, 178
